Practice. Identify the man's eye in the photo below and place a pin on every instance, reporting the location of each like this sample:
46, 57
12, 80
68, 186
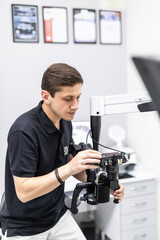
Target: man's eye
67, 99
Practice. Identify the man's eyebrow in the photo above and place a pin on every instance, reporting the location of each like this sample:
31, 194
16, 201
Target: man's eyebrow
72, 95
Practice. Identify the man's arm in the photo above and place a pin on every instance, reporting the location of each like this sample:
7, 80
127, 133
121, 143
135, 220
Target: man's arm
29, 188
82, 176
32, 187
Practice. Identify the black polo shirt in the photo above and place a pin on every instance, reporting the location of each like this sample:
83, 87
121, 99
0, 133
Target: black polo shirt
35, 148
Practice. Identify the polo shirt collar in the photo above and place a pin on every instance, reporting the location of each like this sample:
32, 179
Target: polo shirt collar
46, 122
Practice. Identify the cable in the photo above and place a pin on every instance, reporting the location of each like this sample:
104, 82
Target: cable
87, 138
101, 144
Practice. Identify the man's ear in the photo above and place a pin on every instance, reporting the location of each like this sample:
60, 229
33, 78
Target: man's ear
46, 96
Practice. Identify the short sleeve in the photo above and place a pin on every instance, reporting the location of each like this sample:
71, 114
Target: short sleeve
23, 154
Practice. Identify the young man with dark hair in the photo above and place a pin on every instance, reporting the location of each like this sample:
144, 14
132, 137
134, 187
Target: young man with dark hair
38, 162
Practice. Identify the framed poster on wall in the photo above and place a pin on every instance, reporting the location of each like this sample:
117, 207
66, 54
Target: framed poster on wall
55, 25
25, 23
84, 25
110, 27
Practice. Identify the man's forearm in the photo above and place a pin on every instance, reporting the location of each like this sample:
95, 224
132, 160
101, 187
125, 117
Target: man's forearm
30, 188
81, 176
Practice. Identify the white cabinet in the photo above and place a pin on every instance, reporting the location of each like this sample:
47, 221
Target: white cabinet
135, 217
147, 233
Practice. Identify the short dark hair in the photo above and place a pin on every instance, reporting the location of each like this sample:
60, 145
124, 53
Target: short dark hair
58, 75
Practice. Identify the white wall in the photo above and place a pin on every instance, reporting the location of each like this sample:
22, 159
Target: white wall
143, 38
102, 67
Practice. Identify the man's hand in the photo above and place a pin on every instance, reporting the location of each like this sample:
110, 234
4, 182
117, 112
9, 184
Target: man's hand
118, 194
83, 160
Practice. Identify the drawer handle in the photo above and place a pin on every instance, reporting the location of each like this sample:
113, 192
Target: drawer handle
136, 237
140, 221
138, 189
138, 205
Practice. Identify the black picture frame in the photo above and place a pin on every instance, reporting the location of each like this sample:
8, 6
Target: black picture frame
25, 23
84, 26
110, 27
55, 24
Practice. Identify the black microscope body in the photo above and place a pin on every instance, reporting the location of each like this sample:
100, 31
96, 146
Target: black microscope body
99, 181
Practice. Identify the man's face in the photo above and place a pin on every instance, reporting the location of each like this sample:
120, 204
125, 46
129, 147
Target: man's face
65, 103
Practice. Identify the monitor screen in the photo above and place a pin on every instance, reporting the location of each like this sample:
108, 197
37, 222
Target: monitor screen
55, 25
149, 70
84, 25
110, 27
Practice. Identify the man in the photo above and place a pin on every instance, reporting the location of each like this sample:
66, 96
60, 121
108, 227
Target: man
38, 162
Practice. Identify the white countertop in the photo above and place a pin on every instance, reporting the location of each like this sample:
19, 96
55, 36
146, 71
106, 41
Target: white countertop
139, 174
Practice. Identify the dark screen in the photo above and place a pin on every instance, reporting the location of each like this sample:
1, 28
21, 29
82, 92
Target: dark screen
149, 70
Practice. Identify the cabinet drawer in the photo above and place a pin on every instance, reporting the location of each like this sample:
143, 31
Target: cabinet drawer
139, 188
136, 204
148, 233
138, 220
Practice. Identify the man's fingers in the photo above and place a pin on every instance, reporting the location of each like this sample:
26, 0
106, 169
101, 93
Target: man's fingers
119, 191
90, 161
85, 155
91, 151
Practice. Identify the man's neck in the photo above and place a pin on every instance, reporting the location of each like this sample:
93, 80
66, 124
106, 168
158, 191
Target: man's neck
54, 119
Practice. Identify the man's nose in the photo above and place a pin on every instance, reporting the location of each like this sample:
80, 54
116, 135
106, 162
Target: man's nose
75, 105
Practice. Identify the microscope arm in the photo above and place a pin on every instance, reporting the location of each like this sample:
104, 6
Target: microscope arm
114, 104
122, 103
